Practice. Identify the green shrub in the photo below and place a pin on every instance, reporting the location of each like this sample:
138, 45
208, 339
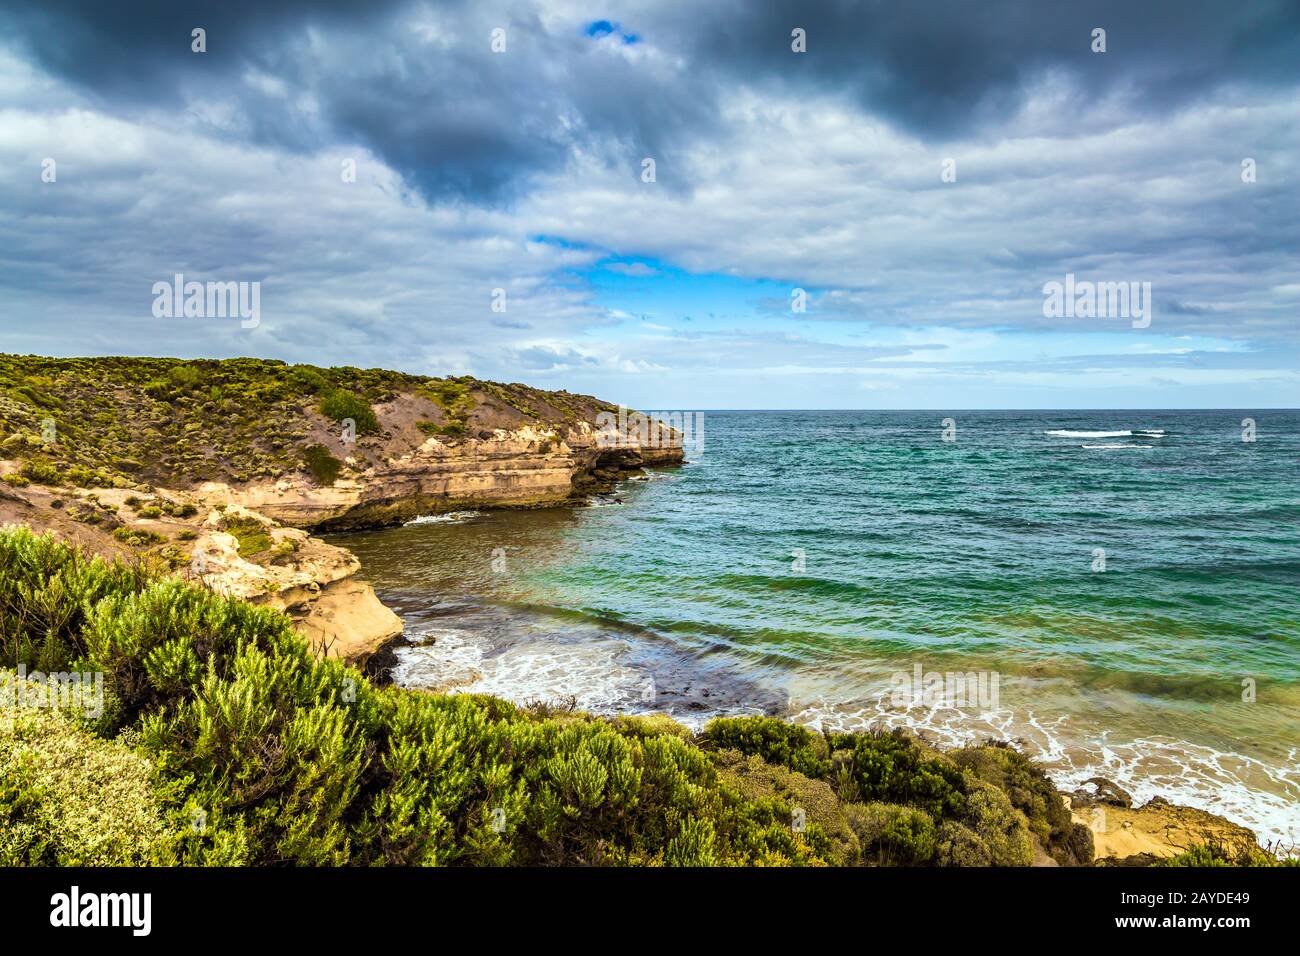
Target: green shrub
1031, 792
340, 404
1217, 855
694, 845
185, 376
270, 750
776, 741
829, 823
893, 835
1000, 829
46, 591
84, 477
323, 466
68, 798
453, 429
306, 380
894, 768
137, 537
41, 472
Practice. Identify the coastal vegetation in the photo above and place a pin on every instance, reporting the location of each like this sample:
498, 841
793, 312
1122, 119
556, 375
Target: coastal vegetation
323, 466
224, 737
227, 742
132, 422
341, 405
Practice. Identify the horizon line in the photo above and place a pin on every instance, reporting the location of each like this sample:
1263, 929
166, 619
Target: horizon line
950, 408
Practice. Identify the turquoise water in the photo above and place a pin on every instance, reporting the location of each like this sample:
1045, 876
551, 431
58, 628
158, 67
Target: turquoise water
1135, 594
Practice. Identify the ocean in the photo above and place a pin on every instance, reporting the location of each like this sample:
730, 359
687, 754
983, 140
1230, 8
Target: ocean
1117, 589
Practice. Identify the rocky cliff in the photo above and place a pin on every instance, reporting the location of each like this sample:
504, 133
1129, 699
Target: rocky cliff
217, 470
531, 465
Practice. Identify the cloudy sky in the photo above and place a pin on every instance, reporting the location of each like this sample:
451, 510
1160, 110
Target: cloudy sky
523, 170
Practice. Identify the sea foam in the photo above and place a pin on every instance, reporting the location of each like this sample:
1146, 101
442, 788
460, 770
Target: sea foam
451, 517
1125, 433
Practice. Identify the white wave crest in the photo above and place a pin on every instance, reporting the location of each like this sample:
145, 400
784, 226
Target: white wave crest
1124, 433
451, 517
1069, 433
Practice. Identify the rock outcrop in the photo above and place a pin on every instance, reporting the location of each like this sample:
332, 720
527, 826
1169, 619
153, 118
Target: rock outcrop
229, 549
315, 583
525, 467
1126, 835
217, 470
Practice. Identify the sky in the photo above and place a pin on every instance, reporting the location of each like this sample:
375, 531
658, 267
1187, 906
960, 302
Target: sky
913, 178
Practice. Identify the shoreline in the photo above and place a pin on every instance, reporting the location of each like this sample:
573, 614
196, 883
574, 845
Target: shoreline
1160, 824
245, 523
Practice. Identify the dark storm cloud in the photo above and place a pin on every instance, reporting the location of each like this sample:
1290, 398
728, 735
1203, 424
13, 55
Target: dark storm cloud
417, 84
140, 52
946, 67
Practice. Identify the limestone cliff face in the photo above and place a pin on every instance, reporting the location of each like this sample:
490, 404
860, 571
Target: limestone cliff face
222, 466
531, 466
229, 549
315, 583
248, 540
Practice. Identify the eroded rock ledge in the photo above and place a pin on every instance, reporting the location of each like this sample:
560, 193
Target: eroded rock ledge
218, 470
1125, 835
251, 541
528, 467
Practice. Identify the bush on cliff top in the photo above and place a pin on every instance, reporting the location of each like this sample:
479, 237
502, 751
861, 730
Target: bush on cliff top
341, 404
262, 754
790, 745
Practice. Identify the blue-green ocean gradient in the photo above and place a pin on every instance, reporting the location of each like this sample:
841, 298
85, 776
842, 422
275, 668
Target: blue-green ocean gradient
801, 559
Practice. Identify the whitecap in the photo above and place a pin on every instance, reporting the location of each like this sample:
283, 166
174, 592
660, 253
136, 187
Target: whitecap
1068, 433
451, 517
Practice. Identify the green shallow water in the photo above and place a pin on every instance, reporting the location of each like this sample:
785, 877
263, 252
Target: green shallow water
802, 559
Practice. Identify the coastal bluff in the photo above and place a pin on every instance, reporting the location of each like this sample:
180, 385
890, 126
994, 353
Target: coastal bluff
219, 470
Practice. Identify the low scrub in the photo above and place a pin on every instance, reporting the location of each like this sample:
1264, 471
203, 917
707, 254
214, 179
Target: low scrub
70, 798
228, 743
341, 404
323, 466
